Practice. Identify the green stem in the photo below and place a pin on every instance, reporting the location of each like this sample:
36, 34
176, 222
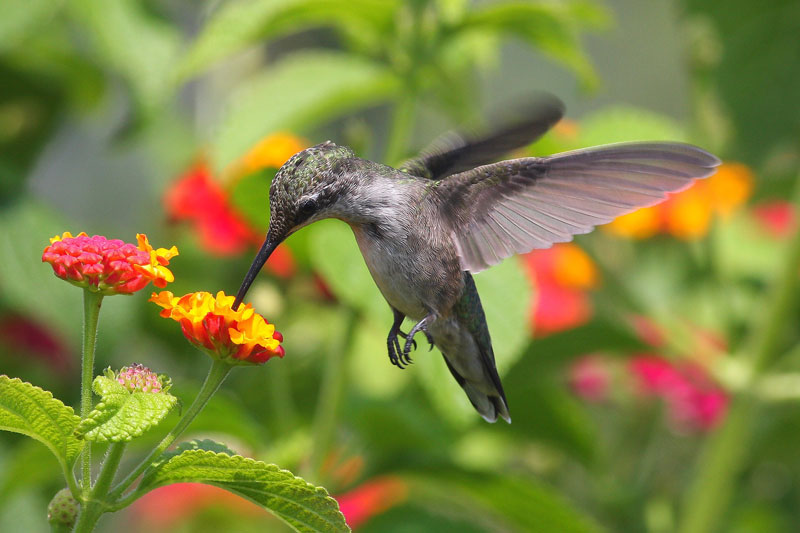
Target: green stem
91, 312
402, 124
96, 505
722, 458
109, 469
216, 375
330, 396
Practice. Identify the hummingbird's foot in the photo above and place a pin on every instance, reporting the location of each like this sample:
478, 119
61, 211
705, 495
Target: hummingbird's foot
396, 354
419, 326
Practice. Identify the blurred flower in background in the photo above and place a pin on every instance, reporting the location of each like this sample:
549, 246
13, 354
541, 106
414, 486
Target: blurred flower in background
562, 276
371, 498
688, 214
205, 203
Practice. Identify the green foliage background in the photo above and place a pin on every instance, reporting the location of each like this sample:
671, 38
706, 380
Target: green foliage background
104, 102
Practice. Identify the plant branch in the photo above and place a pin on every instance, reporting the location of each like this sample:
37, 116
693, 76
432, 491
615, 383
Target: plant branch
216, 375
92, 301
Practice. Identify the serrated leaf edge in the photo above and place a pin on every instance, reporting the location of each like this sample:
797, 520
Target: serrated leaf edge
322, 491
65, 461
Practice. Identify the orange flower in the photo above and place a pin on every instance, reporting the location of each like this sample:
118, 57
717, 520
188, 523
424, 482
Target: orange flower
562, 275
210, 323
108, 266
271, 152
688, 214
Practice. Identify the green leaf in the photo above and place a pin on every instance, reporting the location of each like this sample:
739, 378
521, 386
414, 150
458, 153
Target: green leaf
335, 254
626, 123
300, 504
128, 40
499, 503
194, 444
550, 27
302, 90
34, 412
121, 415
243, 23
21, 17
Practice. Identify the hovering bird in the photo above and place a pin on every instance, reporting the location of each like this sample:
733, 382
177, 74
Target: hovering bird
425, 228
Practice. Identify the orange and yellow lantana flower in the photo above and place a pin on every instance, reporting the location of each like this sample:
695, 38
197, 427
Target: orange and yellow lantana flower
688, 214
210, 323
108, 266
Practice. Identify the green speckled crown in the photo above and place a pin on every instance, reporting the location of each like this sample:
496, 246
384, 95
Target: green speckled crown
304, 172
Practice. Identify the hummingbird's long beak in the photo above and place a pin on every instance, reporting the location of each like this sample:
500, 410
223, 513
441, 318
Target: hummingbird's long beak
270, 243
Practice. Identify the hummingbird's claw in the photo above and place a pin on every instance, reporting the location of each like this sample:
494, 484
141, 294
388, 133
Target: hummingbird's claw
397, 356
419, 326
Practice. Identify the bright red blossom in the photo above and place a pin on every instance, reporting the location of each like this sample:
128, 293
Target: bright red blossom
108, 266
371, 498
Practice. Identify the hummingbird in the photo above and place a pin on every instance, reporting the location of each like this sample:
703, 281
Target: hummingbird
452, 211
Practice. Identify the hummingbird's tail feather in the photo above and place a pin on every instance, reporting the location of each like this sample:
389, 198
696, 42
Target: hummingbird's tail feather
488, 405
467, 348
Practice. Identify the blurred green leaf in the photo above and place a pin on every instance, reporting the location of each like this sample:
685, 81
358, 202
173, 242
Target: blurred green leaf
370, 369
122, 415
335, 254
129, 41
27, 284
499, 503
34, 412
250, 195
297, 502
506, 294
549, 27
243, 23
302, 90
22, 17
624, 123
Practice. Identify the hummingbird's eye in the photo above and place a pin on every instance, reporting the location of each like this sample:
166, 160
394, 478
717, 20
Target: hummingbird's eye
306, 208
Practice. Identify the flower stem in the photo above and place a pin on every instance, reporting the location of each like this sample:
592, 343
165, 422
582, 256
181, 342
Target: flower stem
216, 375
91, 313
109, 469
724, 453
96, 505
330, 396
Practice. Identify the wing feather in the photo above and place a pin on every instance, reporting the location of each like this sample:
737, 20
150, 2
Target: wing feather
497, 210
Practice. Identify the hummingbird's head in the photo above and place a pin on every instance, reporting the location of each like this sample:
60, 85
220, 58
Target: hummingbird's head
305, 189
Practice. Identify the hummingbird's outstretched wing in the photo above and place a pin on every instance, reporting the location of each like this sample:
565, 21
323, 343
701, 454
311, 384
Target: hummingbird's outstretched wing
511, 207
457, 152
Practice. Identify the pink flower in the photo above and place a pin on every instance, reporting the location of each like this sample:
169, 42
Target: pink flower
590, 378
693, 400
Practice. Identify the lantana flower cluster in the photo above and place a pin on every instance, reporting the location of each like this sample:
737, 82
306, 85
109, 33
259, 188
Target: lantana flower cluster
108, 266
139, 378
239, 336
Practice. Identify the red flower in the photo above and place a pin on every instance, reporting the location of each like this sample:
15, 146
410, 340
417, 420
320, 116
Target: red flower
562, 275
371, 498
779, 218
26, 337
164, 507
197, 198
109, 266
